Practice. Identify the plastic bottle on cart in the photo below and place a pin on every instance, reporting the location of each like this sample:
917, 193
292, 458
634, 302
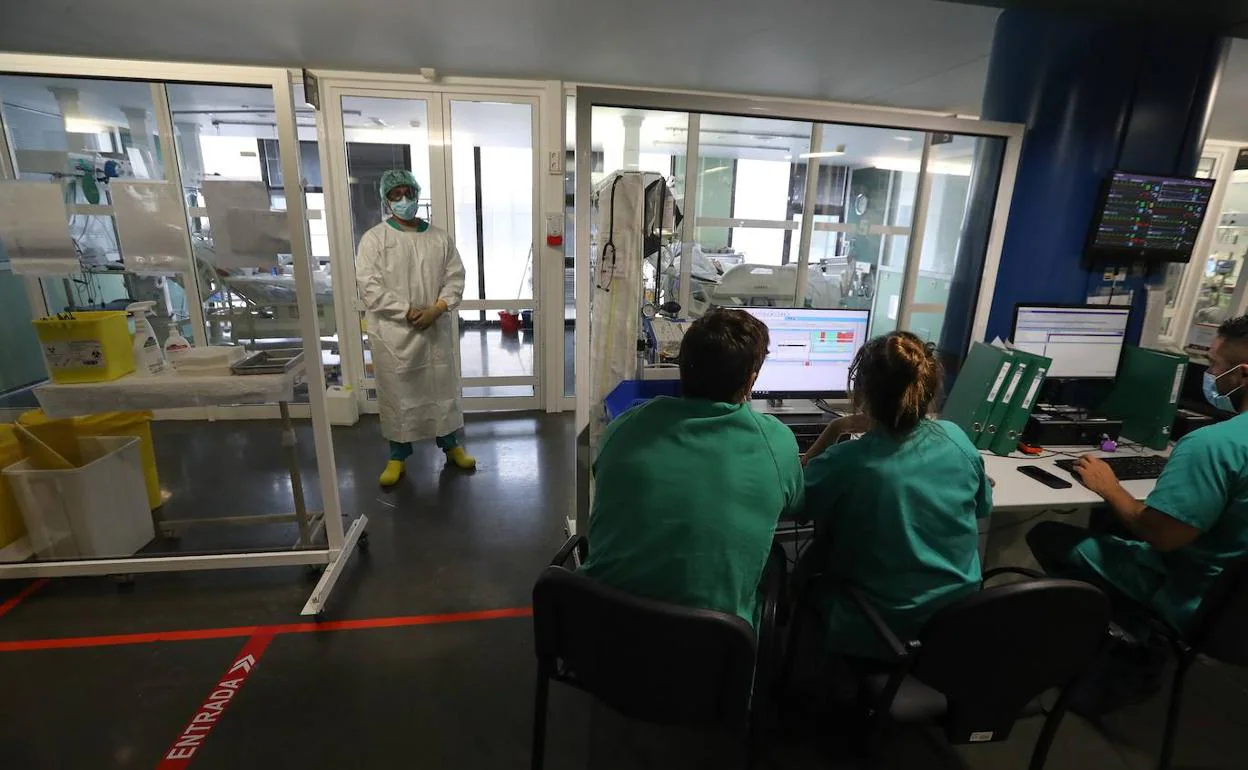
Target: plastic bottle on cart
149, 358
175, 340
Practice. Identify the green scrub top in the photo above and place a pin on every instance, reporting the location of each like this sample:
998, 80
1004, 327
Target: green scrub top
898, 518
1205, 485
687, 495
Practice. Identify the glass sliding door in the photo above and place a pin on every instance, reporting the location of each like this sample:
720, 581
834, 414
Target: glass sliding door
379, 134
474, 158
492, 185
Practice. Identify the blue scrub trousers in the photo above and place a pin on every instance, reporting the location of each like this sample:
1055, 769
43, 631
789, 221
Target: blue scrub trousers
401, 450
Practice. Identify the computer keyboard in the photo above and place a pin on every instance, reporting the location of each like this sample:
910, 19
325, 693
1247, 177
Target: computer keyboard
806, 434
1125, 468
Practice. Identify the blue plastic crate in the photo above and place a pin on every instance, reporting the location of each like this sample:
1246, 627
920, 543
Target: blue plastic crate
630, 393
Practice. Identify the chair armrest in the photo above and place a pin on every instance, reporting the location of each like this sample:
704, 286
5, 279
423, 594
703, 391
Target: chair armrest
577, 544
1175, 638
1116, 632
771, 591
992, 573
775, 574
895, 645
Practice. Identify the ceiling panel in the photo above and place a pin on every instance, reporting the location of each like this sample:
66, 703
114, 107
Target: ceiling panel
1231, 16
851, 50
904, 53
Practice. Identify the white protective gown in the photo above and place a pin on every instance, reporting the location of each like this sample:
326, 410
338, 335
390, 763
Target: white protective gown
417, 385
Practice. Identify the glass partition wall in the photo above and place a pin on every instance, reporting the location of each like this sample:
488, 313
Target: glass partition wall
1193, 298
130, 148
778, 204
85, 133
807, 213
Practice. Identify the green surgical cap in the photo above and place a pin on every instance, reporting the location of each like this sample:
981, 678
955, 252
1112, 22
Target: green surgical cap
397, 177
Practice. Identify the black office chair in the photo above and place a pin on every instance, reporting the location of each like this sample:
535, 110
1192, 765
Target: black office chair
979, 664
1219, 630
649, 660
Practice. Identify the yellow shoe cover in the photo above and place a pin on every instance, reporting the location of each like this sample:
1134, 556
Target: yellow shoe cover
460, 458
390, 476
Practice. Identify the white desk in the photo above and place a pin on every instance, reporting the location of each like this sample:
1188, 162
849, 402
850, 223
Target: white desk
1020, 502
1015, 492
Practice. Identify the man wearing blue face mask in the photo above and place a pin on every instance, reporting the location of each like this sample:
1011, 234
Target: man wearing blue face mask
1194, 522
409, 276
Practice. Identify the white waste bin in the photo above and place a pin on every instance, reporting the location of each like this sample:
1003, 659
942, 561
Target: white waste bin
97, 510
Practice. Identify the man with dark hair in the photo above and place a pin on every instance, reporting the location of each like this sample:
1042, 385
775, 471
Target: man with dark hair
688, 490
1192, 525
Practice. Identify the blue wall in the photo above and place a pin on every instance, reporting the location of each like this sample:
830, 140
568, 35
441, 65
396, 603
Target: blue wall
1094, 96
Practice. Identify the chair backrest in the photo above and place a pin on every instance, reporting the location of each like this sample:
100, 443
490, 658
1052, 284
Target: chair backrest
993, 652
1220, 627
648, 660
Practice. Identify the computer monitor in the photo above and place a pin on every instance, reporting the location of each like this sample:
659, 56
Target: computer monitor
1147, 218
1083, 341
810, 351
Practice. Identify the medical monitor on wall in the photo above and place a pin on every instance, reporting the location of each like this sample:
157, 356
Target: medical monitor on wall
1146, 218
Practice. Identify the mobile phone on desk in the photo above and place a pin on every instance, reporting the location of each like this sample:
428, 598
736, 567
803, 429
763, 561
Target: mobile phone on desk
1044, 477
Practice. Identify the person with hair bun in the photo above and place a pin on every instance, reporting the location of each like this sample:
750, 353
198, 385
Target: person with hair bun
896, 512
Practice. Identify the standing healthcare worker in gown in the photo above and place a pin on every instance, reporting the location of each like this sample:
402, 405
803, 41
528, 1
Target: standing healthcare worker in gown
410, 275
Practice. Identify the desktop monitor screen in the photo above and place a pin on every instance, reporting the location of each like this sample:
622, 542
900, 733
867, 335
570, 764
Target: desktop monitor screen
1084, 341
810, 351
1149, 218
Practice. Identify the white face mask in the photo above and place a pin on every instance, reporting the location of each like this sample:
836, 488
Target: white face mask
404, 208
1219, 400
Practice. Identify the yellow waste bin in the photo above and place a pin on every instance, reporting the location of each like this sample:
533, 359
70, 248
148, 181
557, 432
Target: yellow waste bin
62, 435
88, 346
11, 525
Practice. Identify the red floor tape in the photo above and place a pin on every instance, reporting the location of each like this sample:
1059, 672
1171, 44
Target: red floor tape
22, 595
209, 714
149, 637
192, 738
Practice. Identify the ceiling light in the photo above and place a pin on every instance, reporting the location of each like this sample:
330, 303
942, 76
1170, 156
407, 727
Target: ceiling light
911, 165
904, 138
84, 126
840, 150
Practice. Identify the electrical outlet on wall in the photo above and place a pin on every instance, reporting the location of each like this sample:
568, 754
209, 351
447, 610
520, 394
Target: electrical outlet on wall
556, 162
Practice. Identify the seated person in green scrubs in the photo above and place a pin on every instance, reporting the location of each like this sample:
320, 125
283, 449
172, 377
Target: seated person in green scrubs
896, 511
1193, 523
688, 490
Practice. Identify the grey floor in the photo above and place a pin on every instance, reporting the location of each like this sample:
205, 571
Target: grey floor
450, 695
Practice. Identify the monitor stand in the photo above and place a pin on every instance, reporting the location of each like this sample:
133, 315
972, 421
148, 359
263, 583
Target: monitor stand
779, 407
